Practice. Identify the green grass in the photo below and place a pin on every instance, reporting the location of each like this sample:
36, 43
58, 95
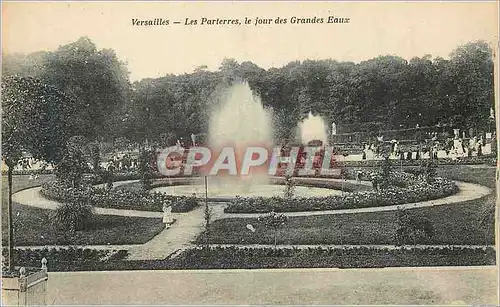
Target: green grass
33, 226
454, 224
479, 175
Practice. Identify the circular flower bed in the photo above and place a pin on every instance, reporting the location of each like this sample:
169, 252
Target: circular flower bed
119, 198
404, 188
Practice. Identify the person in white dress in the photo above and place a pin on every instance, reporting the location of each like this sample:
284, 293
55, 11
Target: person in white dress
167, 215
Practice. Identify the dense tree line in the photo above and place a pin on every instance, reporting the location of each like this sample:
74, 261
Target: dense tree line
386, 92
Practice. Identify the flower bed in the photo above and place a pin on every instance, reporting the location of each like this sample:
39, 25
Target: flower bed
357, 257
417, 191
66, 259
253, 258
119, 198
261, 258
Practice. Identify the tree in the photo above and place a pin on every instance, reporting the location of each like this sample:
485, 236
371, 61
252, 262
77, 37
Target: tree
386, 92
95, 156
168, 139
428, 169
385, 173
146, 168
36, 120
73, 165
95, 78
289, 187
275, 221
471, 93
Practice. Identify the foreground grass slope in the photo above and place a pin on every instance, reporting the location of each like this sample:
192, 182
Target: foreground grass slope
465, 223
33, 226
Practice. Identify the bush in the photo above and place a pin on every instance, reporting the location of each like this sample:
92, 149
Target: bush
74, 216
412, 228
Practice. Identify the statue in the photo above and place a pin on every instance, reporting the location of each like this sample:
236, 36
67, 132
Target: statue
334, 129
193, 139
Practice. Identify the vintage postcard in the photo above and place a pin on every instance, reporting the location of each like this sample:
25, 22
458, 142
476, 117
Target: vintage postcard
249, 153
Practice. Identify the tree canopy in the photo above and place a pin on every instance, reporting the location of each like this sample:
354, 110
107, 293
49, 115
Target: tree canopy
386, 92
36, 118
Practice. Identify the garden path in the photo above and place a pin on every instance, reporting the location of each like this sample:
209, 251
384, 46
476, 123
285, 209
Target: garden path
176, 238
392, 286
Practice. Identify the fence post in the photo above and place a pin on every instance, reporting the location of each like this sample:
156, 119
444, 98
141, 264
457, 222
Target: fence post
22, 286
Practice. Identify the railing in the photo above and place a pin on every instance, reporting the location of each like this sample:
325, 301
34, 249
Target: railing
26, 289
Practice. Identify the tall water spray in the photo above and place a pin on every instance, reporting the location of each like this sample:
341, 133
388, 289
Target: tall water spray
241, 121
313, 128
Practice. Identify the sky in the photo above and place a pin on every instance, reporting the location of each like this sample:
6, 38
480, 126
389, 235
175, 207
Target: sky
381, 28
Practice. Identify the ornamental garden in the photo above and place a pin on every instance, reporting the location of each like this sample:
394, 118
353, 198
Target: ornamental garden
84, 182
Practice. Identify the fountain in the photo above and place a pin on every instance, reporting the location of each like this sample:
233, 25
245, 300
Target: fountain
241, 121
313, 128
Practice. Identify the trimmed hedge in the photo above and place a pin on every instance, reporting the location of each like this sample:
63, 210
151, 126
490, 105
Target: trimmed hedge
259, 258
358, 257
65, 259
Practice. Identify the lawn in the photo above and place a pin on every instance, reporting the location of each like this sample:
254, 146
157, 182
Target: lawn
453, 224
32, 226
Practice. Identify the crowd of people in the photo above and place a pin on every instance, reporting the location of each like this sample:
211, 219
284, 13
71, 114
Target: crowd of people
431, 148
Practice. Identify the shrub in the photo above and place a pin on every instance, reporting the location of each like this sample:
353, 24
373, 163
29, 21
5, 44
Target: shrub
412, 228
146, 168
74, 216
238, 257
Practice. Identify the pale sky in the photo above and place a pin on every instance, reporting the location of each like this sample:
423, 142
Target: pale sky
403, 29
